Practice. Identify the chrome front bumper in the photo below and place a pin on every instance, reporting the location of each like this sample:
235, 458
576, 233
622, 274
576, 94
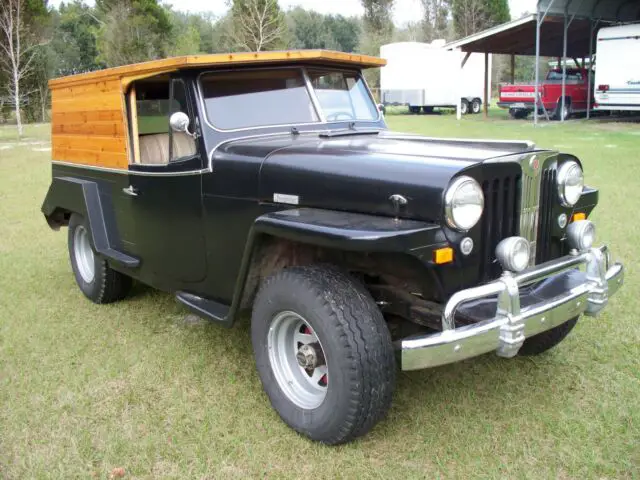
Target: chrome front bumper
505, 333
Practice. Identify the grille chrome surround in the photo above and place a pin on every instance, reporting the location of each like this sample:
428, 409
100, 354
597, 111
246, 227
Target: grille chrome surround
535, 167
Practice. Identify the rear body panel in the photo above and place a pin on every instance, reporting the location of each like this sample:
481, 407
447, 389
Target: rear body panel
617, 79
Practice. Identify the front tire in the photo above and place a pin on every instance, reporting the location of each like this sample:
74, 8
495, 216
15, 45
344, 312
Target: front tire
323, 353
464, 107
99, 282
560, 113
544, 341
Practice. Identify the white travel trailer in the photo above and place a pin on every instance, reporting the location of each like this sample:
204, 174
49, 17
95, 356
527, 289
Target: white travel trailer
425, 76
617, 80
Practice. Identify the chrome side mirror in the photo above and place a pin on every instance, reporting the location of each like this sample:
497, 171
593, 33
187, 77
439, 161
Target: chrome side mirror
179, 122
382, 108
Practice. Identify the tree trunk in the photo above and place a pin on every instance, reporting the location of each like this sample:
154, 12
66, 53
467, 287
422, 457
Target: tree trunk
43, 103
16, 84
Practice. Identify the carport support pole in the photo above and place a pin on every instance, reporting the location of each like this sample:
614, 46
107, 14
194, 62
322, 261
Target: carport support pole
590, 69
564, 62
513, 68
536, 99
485, 100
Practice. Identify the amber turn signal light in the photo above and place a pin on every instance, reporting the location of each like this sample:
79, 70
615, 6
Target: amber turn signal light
443, 255
578, 216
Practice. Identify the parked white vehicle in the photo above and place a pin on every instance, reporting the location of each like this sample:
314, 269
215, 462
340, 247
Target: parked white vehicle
617, 80
427, 76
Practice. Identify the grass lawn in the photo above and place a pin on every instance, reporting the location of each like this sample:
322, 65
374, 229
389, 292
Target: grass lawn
143, 386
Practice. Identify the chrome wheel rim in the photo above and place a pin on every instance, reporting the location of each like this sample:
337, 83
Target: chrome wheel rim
297, 360
476, 107
84, 254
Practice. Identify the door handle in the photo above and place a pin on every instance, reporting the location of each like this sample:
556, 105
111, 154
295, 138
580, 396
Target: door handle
131, 190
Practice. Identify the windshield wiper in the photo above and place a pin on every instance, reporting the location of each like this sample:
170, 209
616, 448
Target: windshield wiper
349, 132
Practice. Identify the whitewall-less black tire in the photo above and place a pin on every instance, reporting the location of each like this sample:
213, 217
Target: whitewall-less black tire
323, 352
99, 282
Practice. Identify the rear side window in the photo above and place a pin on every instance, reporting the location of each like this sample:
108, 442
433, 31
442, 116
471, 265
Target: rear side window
256, 98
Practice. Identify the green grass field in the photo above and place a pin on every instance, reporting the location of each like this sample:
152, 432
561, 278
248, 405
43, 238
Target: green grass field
141, 385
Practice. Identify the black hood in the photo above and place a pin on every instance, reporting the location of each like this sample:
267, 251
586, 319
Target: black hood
347, 171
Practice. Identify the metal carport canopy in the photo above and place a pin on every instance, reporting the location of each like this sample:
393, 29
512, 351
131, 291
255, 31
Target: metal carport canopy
558, 28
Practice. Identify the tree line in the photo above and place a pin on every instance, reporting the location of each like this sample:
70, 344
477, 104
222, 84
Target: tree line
39, 41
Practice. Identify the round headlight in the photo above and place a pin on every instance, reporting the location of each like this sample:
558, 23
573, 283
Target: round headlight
581, 234
570, 183
513, 254
463, 203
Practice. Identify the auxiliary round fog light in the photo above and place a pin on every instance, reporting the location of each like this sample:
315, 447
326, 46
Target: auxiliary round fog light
562, 220
581, 234
513, 254
466, 245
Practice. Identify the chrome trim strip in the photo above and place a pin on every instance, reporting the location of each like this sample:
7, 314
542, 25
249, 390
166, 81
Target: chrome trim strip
131, 172
507, 331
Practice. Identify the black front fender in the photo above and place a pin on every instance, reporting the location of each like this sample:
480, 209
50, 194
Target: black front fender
338, 230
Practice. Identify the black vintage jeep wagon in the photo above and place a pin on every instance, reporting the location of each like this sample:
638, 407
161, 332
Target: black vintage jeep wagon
268, 182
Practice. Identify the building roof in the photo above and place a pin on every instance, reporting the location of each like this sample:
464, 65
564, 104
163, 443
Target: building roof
519, 36
140, 70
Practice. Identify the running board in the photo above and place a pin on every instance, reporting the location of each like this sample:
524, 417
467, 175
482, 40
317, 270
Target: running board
209, 309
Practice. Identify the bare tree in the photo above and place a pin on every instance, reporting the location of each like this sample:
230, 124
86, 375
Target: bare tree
435, 19
256, 25
18, 52
470, 16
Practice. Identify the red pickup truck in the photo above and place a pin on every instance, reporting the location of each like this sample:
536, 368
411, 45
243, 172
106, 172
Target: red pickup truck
519, 98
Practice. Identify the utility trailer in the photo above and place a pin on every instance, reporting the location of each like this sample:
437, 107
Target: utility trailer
425, 76
617, 80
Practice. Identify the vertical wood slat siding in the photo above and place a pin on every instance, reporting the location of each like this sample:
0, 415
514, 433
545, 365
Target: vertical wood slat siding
88, 124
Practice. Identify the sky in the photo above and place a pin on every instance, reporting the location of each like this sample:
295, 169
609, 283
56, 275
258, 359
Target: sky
404, 10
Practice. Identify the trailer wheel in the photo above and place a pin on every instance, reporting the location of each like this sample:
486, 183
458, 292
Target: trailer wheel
413, 109
464, 106
476, 105
427, 109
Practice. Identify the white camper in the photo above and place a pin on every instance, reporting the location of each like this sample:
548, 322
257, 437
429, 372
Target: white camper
425, 76
617, 80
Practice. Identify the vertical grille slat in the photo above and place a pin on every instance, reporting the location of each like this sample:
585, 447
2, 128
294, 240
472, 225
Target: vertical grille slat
547, 200
500, 219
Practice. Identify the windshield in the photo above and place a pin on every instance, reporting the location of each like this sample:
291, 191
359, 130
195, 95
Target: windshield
257, 98
556, 75
342, 96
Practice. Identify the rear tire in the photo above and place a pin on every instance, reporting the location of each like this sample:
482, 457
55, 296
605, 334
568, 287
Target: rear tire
99, 282
324, 308
518, 114
427, 110
547, 340
414, 110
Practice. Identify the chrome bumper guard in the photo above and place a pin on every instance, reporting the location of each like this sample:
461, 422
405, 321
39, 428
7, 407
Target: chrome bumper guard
506, 332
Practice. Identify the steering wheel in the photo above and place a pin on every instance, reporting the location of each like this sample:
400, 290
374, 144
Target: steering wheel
334, 116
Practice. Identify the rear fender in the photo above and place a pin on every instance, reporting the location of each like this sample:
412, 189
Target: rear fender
68, 195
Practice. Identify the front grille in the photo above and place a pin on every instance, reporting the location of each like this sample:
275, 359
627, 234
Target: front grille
547, 200
500, 220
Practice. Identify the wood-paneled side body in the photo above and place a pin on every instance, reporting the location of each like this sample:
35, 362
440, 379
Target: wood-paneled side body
89, 123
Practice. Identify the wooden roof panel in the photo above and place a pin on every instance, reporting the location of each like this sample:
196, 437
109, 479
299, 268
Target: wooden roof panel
220, 59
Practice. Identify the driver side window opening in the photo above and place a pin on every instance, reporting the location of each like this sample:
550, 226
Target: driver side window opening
151, 103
